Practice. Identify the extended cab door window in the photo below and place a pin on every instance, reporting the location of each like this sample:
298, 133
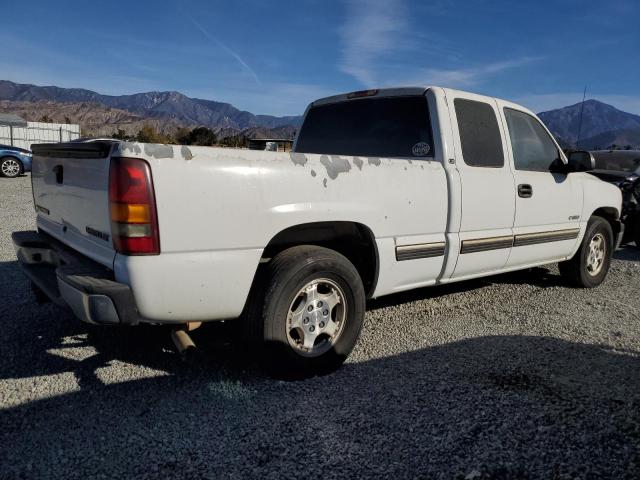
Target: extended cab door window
548, 205
488, 192
369, 127
479, 134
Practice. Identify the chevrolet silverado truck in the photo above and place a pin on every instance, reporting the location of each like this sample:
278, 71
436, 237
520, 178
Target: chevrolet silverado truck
385, 191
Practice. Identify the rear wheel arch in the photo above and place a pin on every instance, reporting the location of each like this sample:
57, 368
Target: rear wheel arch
353, 240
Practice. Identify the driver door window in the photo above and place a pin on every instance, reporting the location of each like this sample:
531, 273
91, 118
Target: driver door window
533, 149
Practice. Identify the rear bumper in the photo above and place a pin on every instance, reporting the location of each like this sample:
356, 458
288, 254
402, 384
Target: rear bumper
70, 279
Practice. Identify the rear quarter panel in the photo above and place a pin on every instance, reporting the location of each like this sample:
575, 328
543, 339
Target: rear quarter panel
218, 208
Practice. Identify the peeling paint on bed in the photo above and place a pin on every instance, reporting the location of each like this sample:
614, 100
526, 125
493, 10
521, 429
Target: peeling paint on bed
313, 173
358, 163
186, 152
324, 182
298, 159
158, 151
335, 165
374, 161
133, 147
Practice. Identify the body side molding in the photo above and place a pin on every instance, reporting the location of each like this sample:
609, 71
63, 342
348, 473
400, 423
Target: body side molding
420, 250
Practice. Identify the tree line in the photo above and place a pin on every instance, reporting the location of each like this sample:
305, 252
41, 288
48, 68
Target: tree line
202, 136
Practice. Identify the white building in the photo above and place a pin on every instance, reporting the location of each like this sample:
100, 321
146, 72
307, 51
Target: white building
17, 132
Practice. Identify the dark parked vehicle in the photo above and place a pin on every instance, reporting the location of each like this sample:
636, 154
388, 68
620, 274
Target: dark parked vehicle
14, 161
622, 168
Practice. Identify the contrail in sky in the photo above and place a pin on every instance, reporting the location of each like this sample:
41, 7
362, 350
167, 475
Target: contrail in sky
242, 63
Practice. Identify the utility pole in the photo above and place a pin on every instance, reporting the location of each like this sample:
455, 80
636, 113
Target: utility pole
584, 95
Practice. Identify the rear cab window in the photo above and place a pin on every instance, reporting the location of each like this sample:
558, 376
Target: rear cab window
370, 127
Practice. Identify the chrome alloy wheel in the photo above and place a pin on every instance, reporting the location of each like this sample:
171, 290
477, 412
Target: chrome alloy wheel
316, 317
10, 168
596, 254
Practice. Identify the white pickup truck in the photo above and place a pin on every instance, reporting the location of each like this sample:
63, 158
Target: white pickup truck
385, 191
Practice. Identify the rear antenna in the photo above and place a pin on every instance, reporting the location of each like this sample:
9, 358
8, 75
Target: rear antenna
584, 95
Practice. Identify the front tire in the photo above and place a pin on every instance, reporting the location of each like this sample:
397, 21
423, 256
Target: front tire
309, 312
10, 167
589, 266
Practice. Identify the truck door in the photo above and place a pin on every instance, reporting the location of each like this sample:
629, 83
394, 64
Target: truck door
548, 205
488, 193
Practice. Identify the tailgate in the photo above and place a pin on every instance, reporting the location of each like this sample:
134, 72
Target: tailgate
70, 189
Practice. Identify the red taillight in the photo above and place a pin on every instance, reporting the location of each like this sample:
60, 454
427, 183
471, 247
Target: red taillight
132, 206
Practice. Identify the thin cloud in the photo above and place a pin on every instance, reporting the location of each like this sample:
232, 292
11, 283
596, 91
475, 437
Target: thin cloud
467, 77
373, 30
224, 47
376, 34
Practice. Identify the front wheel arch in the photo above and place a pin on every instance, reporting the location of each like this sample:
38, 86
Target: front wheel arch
611, 215
574, 270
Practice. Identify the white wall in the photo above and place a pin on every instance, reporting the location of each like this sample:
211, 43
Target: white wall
38, 132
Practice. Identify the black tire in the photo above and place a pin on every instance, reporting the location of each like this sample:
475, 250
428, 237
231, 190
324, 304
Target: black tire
576, 271
636, 233
273, 295
7, 162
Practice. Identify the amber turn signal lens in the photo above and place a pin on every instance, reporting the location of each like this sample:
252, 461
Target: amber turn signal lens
130, 213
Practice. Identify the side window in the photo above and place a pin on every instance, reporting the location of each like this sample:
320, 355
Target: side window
479, 134
533, 148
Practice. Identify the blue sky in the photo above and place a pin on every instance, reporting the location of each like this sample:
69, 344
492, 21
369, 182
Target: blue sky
275, 57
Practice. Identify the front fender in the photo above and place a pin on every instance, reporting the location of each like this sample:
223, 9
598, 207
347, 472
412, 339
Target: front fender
602, 196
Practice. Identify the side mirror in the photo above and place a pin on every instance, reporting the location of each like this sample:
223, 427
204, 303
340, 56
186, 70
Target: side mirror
581, 161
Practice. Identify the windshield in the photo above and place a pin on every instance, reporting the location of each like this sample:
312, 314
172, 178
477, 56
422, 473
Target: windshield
373, 127
624, 160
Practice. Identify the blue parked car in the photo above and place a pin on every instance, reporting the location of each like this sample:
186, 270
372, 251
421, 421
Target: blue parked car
14, 161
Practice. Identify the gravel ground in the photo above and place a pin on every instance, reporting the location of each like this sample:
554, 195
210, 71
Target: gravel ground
515, 376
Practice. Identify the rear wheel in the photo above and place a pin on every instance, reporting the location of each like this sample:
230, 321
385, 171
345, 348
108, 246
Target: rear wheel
636, 233
589, 266
10, 167
309, 312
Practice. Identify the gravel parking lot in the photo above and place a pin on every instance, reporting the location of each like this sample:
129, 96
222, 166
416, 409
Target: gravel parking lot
515, 376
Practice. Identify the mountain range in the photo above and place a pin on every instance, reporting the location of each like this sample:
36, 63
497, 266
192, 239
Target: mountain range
173, 106
602, 125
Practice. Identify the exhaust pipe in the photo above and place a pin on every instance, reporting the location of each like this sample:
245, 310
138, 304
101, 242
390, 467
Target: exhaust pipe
182, 340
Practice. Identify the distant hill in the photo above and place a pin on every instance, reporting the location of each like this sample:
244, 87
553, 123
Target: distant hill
619, 138
602, 125
172, 106
95, 119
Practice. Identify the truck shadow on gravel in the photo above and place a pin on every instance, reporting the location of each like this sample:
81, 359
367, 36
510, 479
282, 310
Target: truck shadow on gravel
628, 254
120, 404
